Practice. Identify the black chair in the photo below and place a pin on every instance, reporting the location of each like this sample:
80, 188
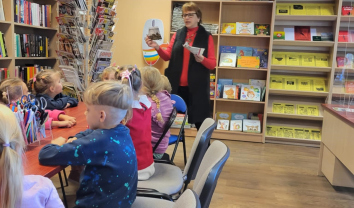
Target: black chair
166, 128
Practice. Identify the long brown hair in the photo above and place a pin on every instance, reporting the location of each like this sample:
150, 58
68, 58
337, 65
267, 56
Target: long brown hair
11, 168
10, 87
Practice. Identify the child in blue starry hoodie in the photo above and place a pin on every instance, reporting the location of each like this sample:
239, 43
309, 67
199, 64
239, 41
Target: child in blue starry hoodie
106, 149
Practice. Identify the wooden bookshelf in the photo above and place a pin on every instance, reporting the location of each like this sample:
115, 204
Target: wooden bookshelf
301, 68
303, 43
306, 17
9, 28
218, 12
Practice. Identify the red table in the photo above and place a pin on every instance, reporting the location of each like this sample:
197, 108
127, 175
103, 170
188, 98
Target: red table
32, 166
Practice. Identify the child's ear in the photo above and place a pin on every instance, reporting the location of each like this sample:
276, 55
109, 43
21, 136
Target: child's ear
103, 116
51, 88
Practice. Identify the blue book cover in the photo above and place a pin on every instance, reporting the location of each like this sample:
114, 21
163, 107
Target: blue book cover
22, 11
263, 57
238, 116
222, 82
244, 51
227, 49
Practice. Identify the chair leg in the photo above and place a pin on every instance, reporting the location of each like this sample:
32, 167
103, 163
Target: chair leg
63, 190
66, 178
184, 150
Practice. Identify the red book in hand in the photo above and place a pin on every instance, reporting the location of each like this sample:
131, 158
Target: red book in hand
302, 33
343, 36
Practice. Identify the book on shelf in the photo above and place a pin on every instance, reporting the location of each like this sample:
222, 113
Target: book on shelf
305, 84
326, 36
228, 28
244, 51
230, 92
3, 49
263, 57
228, 59
261, 29
31, 45
315, 84
177, 123
308, 60
250, 92
283, 9
212, 89
4, 73
251, 126
278, 107
248, 61
347, 10
289, 108
223, 124
349, 86
238, 116
293, 59
343, 36
28, 71
279, 35
278, 59
221, 83
319, 85
2, 14
31, 13
236, 125
244, 28
227, 49
302, 33
290, 83
257, 82
223, 115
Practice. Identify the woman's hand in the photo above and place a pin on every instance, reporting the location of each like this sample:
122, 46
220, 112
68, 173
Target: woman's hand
151, 43
199, 58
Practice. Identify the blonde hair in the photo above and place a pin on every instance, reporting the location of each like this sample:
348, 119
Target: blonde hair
44, 80
11, 168
152, 84
107, 71
123, 68
134, 79
111, 94
166, 84
8, 87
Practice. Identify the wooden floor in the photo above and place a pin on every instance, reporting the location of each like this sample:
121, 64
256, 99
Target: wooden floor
265, 175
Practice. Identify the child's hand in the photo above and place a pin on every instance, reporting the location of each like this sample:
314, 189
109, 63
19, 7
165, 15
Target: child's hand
65, 124
59, 141
67, 118
71, 140
67, 106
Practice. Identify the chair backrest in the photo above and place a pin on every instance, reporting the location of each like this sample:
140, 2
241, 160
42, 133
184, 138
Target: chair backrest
199, 148
166, 128
189, 199
209, 171
180, 105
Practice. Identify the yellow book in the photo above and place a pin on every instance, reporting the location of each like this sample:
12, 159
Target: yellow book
290, 83
302, 110
223, 116
228, 28
289, 108
276, 83
313, 10
308, 60
278, 108
283, 9
322, 60
288, 132
312, 110
307, 134
280, 131
298, 9
319, 85
293, 59
272, 130
298, 133
327, 9
278, 59
316, 134
304, 84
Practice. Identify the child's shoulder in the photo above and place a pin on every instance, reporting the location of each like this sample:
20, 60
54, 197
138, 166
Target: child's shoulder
144, 100
36, 182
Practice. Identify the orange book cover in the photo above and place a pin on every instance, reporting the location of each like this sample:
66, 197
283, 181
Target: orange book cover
248, 61
349, 87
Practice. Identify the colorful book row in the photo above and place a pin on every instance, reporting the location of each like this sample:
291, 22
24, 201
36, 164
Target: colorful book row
304, 9
300, 59
284, 82
299, 109
32, 13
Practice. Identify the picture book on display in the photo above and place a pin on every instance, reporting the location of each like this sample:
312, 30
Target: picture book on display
244, 28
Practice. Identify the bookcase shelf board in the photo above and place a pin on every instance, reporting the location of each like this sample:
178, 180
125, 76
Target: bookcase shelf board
35, 27
239, 101
5, 58
347, 18
306, 17
240, 68
5, 22
345, 45
245, 36
303, 43
298, 93
301, 68
346, 70
34, 58
294, 116
293, 141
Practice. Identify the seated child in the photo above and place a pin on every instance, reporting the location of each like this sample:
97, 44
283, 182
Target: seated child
109, 74
166, 84
162, 107
110, 177
47, 84
122, 69
16, 189
15, 88
140, 125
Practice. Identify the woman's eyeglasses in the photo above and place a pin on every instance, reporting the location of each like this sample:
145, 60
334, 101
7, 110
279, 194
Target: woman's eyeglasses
188, 15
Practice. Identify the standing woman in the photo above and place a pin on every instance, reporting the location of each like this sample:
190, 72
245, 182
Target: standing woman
189, 74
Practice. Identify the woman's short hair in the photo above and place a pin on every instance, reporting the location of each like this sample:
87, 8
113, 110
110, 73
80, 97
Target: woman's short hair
191, 6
